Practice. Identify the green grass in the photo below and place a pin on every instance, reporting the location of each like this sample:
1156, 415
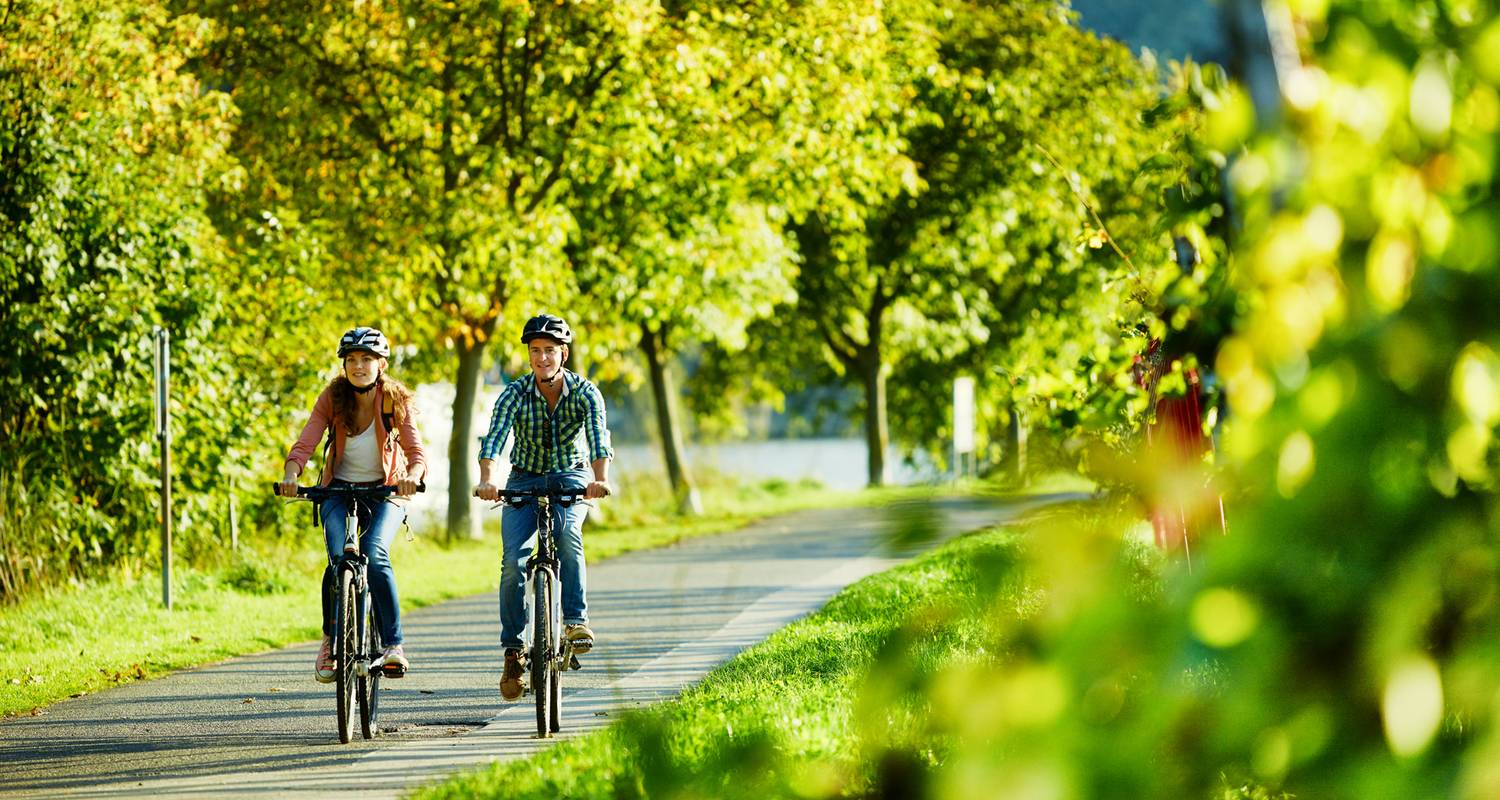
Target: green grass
96, 634
805, 713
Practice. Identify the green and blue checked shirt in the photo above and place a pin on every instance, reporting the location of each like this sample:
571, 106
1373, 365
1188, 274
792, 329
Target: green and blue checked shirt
548, 443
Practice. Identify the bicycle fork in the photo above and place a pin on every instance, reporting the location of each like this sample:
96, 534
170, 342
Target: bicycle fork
558, 646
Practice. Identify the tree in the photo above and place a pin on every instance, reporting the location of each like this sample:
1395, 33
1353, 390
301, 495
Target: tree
753, 108
437, 143
108, 148
1094, 263
988, 92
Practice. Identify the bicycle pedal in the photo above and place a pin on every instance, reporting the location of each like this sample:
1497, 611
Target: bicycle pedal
573, 663
393, 670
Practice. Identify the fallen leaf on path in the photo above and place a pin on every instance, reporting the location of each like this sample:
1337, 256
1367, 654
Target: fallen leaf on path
426, 691
601, 713
277, 689
248, 700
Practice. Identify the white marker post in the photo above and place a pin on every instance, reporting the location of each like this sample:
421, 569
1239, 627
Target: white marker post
963, 427
164, 438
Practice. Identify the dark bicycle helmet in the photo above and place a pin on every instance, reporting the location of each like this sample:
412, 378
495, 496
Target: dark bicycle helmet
367, 339
549, 326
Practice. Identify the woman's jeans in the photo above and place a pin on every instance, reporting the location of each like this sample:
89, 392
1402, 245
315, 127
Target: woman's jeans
378, 529
518, 528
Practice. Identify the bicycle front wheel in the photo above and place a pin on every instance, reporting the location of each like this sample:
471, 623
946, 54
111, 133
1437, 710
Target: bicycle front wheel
541, 652
557, 664
554, 714
346, 653
369, 686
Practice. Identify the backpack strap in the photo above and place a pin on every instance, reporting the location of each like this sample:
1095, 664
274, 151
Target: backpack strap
388, 414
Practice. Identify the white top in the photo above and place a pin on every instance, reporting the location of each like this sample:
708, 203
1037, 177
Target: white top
361, 460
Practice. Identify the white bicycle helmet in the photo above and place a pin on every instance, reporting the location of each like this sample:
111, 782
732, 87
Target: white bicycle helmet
362, 338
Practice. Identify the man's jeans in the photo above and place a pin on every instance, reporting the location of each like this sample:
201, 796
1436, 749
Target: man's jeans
379, 530
518, 536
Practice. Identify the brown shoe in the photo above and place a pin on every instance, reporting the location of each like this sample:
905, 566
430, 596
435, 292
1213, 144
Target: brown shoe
580, 637
510, 680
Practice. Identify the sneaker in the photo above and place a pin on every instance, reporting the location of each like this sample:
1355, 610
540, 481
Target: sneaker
580, 637
510, 680
324, 666
395, 664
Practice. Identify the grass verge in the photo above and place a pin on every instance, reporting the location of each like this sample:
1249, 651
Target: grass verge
96, 634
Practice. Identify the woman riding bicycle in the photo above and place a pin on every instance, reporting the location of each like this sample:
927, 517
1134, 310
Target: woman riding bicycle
374, 442
551, 410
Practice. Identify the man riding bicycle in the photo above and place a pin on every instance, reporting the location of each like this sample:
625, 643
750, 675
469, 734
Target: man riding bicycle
550, 409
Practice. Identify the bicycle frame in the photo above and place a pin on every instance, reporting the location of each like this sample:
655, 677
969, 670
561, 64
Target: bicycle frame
360, 654
545, 563
352, 559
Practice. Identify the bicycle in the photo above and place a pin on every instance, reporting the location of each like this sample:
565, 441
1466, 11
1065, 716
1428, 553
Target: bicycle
358, 654
550, 653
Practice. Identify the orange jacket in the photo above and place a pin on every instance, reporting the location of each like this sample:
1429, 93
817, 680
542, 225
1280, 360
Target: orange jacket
409, 458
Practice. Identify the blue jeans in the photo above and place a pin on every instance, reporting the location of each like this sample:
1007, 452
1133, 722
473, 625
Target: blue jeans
378, 528
518, 536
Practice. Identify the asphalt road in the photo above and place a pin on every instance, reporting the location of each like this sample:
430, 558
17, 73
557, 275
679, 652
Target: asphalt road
259, 726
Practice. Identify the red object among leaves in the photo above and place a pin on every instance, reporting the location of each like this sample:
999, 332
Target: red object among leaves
1175, 447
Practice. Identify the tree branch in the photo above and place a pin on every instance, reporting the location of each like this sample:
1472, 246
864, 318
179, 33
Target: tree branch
533, 54
591, 85
839, 343
1095, 214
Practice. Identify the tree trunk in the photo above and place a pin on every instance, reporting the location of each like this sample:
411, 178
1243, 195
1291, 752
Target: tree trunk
877, 436
872, 372
460, 445
663, 394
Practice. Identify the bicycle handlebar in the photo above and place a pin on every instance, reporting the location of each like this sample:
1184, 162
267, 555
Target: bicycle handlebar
563, 497
325, 492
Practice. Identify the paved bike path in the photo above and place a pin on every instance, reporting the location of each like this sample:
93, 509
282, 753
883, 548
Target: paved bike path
259, 726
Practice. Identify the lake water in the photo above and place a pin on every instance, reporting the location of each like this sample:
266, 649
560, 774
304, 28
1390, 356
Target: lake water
837, 463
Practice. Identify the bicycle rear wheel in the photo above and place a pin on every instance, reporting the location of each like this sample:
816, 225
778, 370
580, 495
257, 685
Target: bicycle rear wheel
369, 686
346, 652
541, 652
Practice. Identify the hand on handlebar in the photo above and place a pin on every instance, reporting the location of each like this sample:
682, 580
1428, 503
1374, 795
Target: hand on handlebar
487, 491
406, 487
287, 487
596, 490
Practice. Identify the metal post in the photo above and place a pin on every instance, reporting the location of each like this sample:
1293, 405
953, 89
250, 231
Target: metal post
164, 438
963, 424
234, 521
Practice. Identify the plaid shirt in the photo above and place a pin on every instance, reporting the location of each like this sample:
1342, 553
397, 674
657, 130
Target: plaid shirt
548, 442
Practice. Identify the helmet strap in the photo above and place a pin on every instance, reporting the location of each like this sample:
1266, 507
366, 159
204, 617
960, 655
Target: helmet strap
558, 374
